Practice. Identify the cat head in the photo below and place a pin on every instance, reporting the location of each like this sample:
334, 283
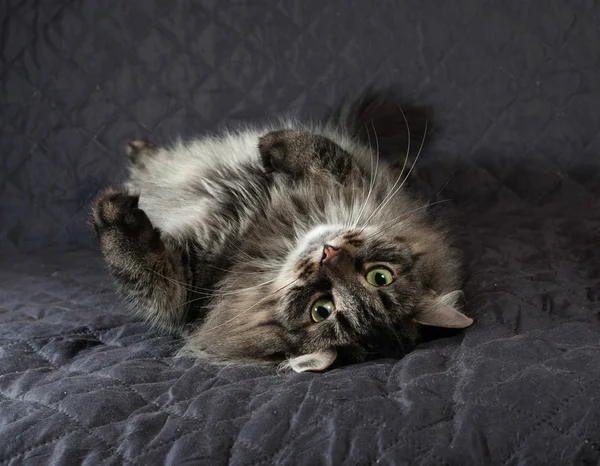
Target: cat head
362, 293
342, 293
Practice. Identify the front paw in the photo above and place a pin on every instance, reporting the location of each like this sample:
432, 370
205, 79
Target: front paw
139, 149
286, 151
116, 215
300, 153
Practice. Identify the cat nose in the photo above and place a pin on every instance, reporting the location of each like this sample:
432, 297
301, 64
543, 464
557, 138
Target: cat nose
329, 252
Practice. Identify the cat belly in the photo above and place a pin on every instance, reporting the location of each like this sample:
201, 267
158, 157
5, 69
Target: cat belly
178, 186
175, 216
171, 195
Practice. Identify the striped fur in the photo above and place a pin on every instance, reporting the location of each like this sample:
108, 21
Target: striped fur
221, 239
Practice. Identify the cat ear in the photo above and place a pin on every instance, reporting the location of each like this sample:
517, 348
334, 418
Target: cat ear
440, 311
318, 361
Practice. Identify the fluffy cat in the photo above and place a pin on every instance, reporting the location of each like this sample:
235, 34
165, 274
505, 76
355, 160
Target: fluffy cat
291, 243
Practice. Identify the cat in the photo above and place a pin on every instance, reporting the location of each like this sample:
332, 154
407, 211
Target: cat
289, 244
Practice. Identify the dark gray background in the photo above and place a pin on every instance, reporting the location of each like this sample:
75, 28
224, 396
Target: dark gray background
508, 80
515, 87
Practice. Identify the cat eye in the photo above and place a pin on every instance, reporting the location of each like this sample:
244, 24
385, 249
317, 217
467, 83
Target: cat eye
322, 309
379, 276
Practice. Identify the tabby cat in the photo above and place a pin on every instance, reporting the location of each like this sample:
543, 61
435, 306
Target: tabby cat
293, 244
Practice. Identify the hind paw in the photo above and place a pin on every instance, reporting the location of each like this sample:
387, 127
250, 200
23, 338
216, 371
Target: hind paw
137, 149
117, 212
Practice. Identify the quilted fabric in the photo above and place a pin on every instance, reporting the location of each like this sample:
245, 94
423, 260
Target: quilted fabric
516, 93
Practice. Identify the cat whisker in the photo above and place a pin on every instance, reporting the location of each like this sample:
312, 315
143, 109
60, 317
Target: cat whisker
184, 285
219, 295
444, 185
373, 173
247, 256
403, 166
251, 307
238, 272
243, 290
389, 198
172, 280
394, 221
207, 292
239, 250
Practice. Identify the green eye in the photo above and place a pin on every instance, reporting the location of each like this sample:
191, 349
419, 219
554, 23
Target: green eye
379, 276
322, 309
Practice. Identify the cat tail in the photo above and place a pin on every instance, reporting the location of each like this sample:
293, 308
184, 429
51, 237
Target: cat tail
380, 118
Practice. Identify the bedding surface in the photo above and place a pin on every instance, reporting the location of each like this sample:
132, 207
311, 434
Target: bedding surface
516, 157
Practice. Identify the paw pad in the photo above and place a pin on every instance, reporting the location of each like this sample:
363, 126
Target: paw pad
112, 206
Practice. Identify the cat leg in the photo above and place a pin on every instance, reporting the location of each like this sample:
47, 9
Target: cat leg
301, 153
149, 274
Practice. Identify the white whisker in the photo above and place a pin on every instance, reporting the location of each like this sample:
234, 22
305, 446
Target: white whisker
389, 198
207, 292
373, 174
237, 272
371, 181
251, 307
394, 221
239, 250
391, 191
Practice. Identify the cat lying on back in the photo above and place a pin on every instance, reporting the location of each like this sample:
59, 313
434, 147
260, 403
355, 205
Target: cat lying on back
289, 244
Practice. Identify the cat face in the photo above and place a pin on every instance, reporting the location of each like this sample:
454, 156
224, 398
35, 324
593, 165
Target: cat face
348, 294
363, 292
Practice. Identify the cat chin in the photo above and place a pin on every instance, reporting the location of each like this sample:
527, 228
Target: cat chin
309, 246
313, 241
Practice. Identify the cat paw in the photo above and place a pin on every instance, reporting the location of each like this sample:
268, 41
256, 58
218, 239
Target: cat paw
117, 214
285, 151
300, 153
138, 149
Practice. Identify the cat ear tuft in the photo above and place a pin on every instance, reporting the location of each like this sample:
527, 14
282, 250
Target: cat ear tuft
318, 361
441, 311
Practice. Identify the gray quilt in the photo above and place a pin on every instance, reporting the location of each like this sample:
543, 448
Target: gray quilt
515, 88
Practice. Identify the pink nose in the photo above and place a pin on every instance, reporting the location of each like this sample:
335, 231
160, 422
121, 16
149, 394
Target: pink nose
329, 252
